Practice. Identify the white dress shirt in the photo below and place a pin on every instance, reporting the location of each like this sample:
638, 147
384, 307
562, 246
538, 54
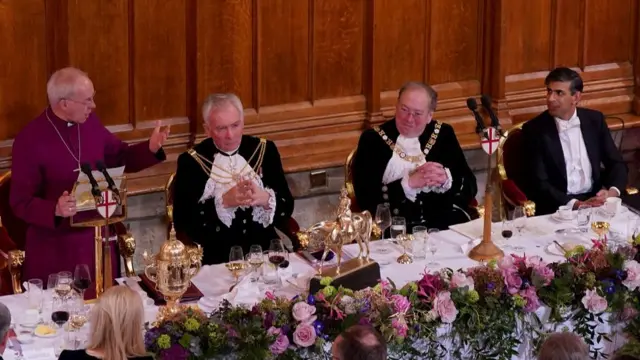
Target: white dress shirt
398, 168
576, 158
220, 182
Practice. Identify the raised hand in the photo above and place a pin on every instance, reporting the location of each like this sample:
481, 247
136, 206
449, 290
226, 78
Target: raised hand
158, 137
66, 205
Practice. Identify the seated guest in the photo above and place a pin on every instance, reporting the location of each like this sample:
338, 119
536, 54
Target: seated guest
564, 346
359, 342
574, 161
5, 324
230, 189
414, 164
116, 324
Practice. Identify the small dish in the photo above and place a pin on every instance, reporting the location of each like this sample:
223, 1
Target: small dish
45, 331
556, 216
25, 338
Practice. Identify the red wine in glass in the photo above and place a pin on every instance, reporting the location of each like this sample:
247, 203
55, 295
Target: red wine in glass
507, 234
276, 260
60, 317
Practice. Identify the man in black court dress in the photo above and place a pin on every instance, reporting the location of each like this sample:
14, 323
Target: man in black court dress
414, 165
230, 189
573, 158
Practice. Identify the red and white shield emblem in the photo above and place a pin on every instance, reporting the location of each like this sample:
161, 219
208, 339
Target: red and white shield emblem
490, 140
109, 204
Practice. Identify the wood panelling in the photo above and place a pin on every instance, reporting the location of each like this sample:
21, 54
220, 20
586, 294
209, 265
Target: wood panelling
312, 74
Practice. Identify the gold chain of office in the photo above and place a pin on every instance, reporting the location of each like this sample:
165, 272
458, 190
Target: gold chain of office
234, 176
403, 155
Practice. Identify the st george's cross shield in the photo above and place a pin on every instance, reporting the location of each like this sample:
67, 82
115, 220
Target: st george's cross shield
490, 140
109, 204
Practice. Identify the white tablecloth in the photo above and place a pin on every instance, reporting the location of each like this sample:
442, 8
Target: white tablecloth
214, 281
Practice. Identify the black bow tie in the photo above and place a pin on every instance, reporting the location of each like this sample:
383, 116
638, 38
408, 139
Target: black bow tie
227, 154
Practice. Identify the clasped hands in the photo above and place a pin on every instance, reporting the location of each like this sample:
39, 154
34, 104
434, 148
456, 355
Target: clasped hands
246, 193
427, 174
597, 200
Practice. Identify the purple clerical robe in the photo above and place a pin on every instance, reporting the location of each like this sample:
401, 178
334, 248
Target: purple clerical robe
43, 168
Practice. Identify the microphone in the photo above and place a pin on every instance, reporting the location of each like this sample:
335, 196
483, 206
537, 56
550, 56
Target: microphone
112, 185
95, 189
472, 104
486, 103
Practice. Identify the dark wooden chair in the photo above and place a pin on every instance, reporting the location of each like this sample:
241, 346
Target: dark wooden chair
12, 240
512, 172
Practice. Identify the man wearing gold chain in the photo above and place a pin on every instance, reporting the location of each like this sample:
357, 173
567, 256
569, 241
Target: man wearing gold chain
230, 189
414, 164
47, 155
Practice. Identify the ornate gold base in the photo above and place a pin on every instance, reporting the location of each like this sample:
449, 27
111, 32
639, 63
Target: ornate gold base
486, 251
346, 267
404, 259
170, 310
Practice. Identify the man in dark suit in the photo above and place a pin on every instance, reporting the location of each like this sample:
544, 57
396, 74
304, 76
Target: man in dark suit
573, 158
415, 165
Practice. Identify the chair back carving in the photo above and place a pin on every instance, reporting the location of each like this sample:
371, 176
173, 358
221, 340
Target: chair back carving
16, 228
13, 233
348, 177
168, 197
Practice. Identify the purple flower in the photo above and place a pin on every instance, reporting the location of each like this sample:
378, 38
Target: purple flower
268, 320
281, 344
175, 352
544, 273
512, 280
400, 326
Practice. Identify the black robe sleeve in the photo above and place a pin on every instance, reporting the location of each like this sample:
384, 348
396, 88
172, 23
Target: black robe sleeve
615, 170
187, 190
369, 164
275, 180
464, 186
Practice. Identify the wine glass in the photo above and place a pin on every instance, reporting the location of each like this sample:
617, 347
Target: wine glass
507, 233
60, 313
519, 219
277, 256
255, 259
432, 245
63, 285
81, 278
383, 220
236, 262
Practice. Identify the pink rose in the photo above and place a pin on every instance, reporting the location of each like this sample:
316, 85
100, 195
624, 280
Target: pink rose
302, 311
628, 313
535, 261
593, 302
544, 273
445, 307
512, 280
530, 295
400, 303
305, 335
506, 263
459, 280
632, 268
282, 341
400, 326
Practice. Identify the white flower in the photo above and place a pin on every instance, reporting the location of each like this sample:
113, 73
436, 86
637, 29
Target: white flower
632, 268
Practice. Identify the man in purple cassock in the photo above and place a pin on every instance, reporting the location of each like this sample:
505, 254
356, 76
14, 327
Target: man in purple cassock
47, 155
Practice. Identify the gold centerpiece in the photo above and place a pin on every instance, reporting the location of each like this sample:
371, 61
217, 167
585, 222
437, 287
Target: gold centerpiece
172, 269
600, 228
404, 240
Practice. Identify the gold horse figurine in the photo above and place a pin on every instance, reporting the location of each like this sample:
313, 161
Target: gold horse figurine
362, 222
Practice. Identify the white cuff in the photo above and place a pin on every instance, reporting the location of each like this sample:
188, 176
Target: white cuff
262, 215
409, 192
226, 215
442, 188
571, 203
616, 189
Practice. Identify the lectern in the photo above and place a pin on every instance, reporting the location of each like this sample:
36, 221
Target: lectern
99, 209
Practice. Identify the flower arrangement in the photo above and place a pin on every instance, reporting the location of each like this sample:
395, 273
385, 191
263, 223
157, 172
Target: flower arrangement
475, 310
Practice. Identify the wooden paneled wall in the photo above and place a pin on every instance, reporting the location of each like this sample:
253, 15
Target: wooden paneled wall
311, 73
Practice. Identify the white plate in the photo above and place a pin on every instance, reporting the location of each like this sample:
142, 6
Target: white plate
25, 338
555, 216
46, 336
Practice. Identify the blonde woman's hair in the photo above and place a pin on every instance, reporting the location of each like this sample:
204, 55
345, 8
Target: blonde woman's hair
116, 324
564, 346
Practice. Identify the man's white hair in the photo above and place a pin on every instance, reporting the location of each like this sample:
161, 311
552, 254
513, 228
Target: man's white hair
215, 101
62, 84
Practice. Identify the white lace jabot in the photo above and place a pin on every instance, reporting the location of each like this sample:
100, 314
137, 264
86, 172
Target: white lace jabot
220, 182
399, 169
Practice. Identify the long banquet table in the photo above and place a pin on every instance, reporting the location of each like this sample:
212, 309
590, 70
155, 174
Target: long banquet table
214, 281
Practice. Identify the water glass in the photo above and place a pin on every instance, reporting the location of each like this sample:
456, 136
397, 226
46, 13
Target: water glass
584, 215
419, 243
269, 271
383, 220
35, 294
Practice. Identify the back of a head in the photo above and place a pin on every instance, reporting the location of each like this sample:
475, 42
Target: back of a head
5, 321
62, 83
564, 346
116, 321
360, 342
